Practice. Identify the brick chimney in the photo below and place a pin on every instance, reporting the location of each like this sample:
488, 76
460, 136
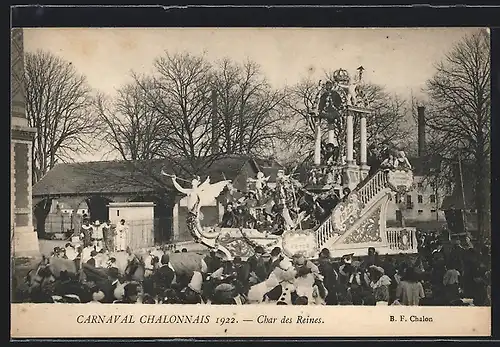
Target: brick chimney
421, 130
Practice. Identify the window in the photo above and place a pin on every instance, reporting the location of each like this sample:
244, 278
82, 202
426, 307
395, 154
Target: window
409, 204
433, 198
398, 215
432, 184
433, 211
420, 211
420, 199
420, 185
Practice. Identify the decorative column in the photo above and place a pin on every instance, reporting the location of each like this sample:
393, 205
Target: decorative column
363, 140
175, 221
331, 133
317, 145
25, 240
350, 139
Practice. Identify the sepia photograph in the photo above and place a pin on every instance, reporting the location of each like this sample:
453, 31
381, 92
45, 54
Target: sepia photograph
341, 169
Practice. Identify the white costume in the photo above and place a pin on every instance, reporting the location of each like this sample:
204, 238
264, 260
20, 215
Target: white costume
97, 236
121, 237
71, 253
260, 183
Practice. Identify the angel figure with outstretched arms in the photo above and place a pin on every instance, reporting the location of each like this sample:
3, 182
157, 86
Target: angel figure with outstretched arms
200, 194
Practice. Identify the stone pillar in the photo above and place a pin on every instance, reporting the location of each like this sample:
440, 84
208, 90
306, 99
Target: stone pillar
175, 221
363, 146
350, 139
317, 145
25, 240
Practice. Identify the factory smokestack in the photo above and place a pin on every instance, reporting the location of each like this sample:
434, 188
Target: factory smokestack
421, 130
215, 124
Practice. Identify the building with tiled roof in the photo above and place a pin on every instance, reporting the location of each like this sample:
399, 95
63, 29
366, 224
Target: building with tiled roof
101, 182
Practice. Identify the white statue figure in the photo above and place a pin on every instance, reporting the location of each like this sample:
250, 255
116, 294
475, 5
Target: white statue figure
260, 183
200, 194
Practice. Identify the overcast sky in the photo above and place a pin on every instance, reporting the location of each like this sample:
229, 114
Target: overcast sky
400, 59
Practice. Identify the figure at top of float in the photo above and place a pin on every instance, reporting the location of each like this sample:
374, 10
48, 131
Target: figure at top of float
199, 194
260, 183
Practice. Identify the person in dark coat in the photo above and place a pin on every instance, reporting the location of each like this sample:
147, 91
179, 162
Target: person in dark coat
109, 285
242, 273
164, 275
258, 271
330, 276
212, 261
91, 261
276, 258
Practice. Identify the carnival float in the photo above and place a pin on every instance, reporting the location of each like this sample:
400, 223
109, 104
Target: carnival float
339, 206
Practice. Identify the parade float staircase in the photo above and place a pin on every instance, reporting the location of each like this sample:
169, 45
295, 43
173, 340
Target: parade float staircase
359, 222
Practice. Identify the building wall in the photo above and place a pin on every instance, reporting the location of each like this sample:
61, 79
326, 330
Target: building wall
139, 216
131, 212
23, 236
420, 205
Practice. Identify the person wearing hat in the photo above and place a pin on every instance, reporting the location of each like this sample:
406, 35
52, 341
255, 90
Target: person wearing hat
121, 236
92, 260
224, 274
242, 270
228, 218
170, 296
97, 236
330, 275
258, 271
164, 275
225, 294
347, 277
276, 258
212, 261
109, 285
379, 282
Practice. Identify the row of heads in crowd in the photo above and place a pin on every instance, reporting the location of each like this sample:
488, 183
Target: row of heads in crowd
97, 223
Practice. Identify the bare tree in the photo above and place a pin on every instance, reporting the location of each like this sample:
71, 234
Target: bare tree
179, 93
249, 111
459, 112
132, 127
57, 105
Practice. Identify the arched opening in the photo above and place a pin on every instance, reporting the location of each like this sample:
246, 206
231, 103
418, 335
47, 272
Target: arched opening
59, 215
98, 208
40, 212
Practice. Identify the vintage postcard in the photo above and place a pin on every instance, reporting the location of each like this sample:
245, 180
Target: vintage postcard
214, 173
